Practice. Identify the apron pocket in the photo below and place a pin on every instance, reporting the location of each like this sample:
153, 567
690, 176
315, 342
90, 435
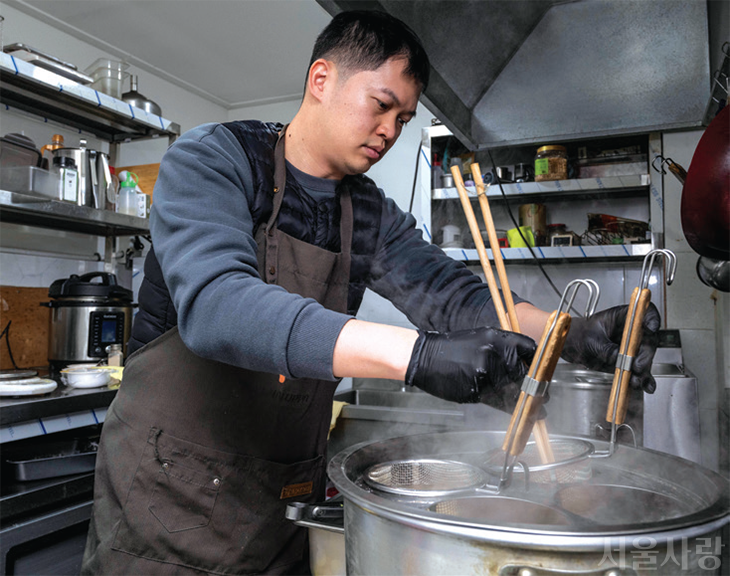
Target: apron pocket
214, 511
182, 498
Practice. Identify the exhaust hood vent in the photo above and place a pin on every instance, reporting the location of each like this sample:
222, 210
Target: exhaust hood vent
507, 72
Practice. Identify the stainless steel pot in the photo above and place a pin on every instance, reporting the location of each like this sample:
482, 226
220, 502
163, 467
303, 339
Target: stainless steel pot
578, 402
385, 534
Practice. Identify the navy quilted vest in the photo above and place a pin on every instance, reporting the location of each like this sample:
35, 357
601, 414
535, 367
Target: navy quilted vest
301, 216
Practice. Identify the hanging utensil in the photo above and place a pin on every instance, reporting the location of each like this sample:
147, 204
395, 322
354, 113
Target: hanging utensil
631, 339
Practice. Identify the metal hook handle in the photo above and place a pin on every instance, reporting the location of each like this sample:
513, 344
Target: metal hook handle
594, 293
670, 266
661, 164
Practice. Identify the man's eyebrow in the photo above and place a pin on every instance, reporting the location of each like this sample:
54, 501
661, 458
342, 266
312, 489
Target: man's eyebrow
396, 100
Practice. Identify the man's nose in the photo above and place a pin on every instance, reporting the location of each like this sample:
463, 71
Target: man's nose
388, 128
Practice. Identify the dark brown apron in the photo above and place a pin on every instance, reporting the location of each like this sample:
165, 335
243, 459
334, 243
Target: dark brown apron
198, 459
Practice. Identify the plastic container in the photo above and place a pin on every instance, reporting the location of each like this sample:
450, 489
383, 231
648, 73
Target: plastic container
127, 202
551, 163
109, 76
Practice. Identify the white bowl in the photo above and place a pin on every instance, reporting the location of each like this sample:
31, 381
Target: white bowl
86, 377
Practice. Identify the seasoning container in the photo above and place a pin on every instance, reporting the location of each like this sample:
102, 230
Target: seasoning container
554, 230
551, 163
534, 216
56, 143
67, 176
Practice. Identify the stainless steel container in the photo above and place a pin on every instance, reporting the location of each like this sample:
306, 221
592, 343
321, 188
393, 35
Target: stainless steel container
386, 534
579, 400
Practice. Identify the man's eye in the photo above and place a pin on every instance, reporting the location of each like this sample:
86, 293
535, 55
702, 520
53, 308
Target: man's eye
403, 121
382, 105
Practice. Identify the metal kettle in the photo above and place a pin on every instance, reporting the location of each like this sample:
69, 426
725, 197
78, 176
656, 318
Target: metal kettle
94, 174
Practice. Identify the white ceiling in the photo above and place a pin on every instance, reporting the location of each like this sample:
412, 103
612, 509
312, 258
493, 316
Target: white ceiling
232, 52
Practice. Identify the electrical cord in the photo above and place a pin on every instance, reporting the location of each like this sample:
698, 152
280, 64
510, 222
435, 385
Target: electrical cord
6, 333
532, 253
415, 177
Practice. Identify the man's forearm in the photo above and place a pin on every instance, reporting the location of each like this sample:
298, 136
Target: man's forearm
532, 320
370, 350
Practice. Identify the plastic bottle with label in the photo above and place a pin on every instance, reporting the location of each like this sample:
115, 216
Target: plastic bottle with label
127, 198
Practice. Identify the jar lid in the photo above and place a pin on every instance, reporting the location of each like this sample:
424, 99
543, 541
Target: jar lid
551, 148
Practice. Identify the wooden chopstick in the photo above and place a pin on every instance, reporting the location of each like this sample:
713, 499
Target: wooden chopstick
507, 320
541, 434
481, 250
494, 245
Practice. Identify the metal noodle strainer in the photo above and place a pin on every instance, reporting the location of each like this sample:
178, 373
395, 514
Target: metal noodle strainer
571, 463
424, 477
534, 388
630, 343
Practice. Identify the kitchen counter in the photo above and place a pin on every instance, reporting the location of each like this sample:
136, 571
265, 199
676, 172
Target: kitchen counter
63, 409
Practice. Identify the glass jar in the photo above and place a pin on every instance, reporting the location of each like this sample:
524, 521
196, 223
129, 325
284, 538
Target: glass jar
551, 163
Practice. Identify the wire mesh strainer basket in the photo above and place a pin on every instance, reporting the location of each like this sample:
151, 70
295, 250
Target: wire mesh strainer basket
572, 462
500, 509
424, 477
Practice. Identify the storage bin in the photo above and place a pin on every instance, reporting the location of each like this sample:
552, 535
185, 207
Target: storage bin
29, 180
108, 75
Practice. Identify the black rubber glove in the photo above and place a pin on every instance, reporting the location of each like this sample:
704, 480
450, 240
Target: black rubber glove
594, 343
471, 365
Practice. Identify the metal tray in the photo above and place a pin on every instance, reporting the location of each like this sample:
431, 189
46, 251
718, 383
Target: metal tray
51, 460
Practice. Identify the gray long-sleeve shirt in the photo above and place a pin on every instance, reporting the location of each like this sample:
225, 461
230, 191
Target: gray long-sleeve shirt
202, 229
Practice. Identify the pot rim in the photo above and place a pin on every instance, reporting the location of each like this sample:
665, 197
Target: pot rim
584, 538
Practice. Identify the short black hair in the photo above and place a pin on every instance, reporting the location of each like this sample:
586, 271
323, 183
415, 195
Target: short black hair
360, 40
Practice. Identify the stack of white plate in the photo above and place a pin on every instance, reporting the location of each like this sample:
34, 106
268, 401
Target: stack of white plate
24, 383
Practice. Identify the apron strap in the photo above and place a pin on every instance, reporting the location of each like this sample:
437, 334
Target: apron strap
346, 216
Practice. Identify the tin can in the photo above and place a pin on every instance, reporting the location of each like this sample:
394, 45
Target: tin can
534, 216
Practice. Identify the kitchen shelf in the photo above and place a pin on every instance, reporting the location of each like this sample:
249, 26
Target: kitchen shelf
555, 188
634, 196
38, 211
559, 253
47, 94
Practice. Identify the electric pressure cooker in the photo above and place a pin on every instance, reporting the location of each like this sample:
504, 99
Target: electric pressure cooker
88, 313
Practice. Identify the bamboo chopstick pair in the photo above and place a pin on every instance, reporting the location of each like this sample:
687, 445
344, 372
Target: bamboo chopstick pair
507, 319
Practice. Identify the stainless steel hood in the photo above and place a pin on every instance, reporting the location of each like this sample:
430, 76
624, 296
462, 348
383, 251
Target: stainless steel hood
508, 72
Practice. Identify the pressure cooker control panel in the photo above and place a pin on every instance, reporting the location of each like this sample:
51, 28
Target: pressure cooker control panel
105, 328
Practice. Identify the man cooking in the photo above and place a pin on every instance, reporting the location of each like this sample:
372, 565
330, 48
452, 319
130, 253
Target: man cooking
265, 239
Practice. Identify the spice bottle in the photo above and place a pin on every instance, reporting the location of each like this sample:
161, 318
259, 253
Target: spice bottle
551, 163
68, 178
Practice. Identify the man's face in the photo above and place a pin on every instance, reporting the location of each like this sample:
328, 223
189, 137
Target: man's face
365, 113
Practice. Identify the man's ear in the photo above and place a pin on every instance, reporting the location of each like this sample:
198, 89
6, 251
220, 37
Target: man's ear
321, 73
